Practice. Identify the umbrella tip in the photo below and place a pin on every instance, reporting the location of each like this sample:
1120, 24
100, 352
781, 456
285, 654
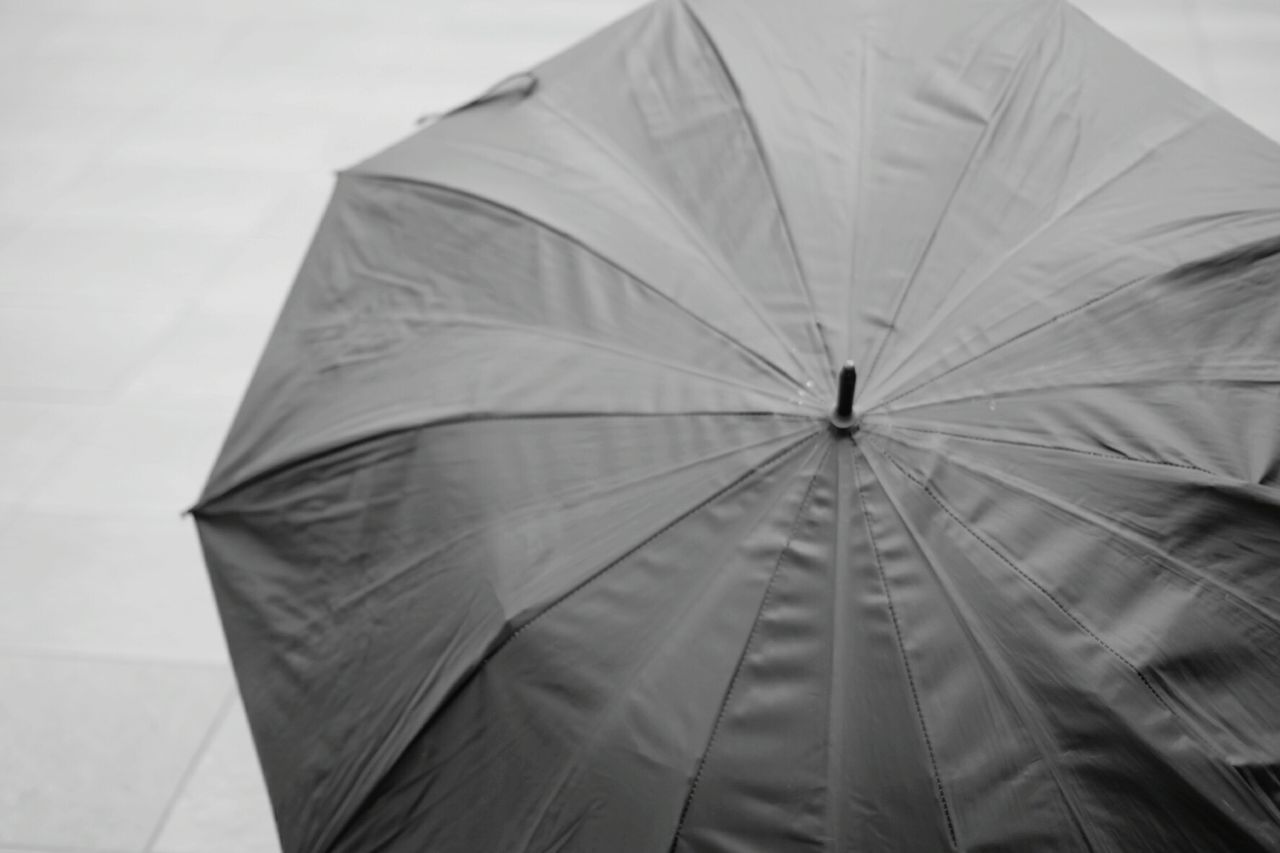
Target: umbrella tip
842, 416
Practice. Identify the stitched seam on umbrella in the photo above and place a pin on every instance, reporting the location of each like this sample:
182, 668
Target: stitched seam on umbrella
660, 531
456, 318
742, 658
1043, 590
1120, 541
1112, 456
1015, 77
503, 641
906, 663
767, 168
447, 320
1174, 274
1138, 379
388, 178
674, 209
1008, 684
1054, 218
205, 507
1208, 746
1024, 333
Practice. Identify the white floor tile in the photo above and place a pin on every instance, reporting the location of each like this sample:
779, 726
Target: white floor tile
89, 83
12, 226
1214, 8
137, 461
224, 807
68, 264
8, 509
1243, 47
127, 588
33, 175
197, 15
258, 276
293, 215
190, 135
1166, 35
85, 353
33, 437
204, 200
326, 91
36, 122
208, 358
93, 751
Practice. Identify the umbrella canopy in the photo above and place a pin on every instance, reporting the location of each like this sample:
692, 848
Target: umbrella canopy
538, 531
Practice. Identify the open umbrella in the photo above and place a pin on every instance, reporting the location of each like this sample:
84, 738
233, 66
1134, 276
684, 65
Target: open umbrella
543, 525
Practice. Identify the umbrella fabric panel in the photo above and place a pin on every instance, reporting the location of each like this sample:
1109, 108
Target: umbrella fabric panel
824, 698
851, 127
658, 100
1123, 238
490, 313
331, 575
1179, 369
1172, 568
1000, 82
1224, 532
560, 744
999, 770
1051, 136
525, 156
1143, 772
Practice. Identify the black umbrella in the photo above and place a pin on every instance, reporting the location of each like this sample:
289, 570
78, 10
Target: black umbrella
541, 527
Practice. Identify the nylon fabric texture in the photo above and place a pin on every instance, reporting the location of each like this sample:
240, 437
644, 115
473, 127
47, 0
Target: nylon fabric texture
533, 532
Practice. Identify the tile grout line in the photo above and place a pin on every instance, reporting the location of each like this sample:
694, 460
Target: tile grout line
223, 714
65, 655
47, 848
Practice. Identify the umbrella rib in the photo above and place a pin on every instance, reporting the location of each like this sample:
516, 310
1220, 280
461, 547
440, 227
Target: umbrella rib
569, 498
615, 709
772, 179
1185, 571
1014, 393
684, 514
1056, 318
989, 274
1016, 76
1236, 259
585, 247
711, 253
1114, 457
742, 656
906, 663
503, 640
1006, 681
454, 320
205, 507
1053, 599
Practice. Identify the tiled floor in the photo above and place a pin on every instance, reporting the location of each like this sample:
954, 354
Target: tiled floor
162, 163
